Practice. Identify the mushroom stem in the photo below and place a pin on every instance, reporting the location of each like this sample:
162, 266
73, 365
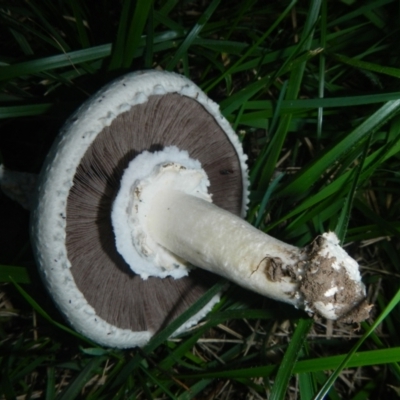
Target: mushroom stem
320, 278
220, 242
163, 219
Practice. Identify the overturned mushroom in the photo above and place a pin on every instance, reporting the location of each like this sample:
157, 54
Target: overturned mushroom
145, 181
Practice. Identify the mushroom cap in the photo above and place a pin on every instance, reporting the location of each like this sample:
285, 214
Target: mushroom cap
71, 229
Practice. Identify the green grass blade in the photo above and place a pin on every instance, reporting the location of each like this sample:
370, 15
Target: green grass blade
364, 8
387, 227
367, 65
234, 102
136, 29
262, 160
149, 50
79, 21
367, 391
50, 383
212, 320
24, 111
254, 46
54, 34
168, 6
9, 273
118, 47
306, 386
310, 174
346, 361
294, 83
322, 66
195, 389
157, 382
23, 372
70, 59
338, 186
279, 389
73, 390
395, 367
360, 359
265, 199
166, 333
301, 105
181, 350
46, 316
23, 42
192, 35
244, 6
344, 216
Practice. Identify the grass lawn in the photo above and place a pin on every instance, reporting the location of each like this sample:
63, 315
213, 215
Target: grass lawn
312, 89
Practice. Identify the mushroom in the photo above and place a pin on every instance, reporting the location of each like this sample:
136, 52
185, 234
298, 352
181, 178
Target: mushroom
145, 183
